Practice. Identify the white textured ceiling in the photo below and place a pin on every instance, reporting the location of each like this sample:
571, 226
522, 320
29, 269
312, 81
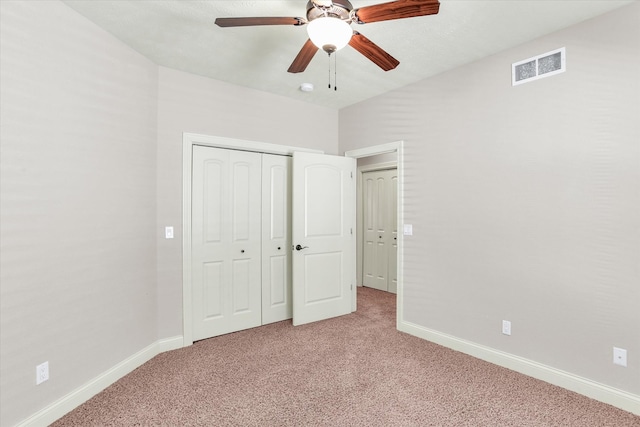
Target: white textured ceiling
181, 34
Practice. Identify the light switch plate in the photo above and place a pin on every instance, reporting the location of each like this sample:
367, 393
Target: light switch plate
168, 232
408, 230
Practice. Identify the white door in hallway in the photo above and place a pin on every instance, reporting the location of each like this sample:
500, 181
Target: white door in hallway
380, 229
276, 238
226, 241
393, 227
324, 244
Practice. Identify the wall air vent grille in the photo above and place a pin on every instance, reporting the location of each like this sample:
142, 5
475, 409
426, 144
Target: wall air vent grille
545, 65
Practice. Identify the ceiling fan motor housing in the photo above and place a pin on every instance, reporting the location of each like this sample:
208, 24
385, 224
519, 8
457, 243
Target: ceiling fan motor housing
339, 9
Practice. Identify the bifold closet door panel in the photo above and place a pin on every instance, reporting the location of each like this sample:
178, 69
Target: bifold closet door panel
276, 238
376, 230
380, 246
226, 241
393, 228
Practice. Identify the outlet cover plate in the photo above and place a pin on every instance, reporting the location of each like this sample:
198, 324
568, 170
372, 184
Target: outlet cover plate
506, 327
620, 356
42, 373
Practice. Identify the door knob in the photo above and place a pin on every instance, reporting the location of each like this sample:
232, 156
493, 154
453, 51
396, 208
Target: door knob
278, 247
242, 251
299, 248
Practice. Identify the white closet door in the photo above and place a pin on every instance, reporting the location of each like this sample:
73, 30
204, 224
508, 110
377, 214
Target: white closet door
393, 228
276, 238
376, 233
226, 236
380, 230
323, 222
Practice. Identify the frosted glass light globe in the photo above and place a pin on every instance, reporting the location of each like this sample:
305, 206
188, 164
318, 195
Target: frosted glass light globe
329, 33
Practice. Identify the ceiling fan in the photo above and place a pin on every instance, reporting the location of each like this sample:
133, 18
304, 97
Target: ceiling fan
329, 27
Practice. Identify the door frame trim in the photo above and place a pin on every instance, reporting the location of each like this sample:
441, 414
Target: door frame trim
188, 141
398, 148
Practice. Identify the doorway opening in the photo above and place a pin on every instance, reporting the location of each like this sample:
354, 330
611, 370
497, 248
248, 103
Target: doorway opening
381, 157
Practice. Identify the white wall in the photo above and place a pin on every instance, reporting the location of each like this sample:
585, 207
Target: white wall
532, 221
194, 104
78, 171
91, 175
525, 201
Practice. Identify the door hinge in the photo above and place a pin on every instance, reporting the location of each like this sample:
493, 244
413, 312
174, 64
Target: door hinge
352, 286
351, 229
351, 175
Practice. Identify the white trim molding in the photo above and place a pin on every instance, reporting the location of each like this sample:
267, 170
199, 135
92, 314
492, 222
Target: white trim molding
77, 397
603, 393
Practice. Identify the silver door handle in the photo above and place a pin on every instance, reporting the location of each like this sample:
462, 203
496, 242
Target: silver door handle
299, 248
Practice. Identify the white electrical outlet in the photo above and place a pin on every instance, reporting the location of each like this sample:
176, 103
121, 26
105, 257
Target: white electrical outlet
620, 356
506, 327
42, 373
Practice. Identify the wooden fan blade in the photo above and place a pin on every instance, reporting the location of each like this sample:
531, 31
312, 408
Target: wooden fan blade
304, 57
396, 10
268, 20
372, 51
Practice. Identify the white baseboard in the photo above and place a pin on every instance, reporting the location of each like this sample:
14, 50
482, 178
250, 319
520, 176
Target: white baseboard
66, 404
603, 393
168, 344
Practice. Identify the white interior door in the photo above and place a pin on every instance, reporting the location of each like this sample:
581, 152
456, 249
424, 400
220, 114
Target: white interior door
393, 228
324, 245
380, 232
276, 238
376, 235
226, 247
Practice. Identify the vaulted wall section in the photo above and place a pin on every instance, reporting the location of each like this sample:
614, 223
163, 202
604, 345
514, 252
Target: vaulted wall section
525, 201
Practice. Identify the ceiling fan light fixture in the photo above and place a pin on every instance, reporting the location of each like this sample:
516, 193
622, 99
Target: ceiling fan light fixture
329, 33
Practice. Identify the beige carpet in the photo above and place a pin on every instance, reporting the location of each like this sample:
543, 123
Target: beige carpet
356, 370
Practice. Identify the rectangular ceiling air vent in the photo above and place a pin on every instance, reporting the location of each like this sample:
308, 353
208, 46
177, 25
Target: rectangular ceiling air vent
545, 65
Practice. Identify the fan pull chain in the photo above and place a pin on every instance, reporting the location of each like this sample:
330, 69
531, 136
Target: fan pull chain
329, 70
335, 72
